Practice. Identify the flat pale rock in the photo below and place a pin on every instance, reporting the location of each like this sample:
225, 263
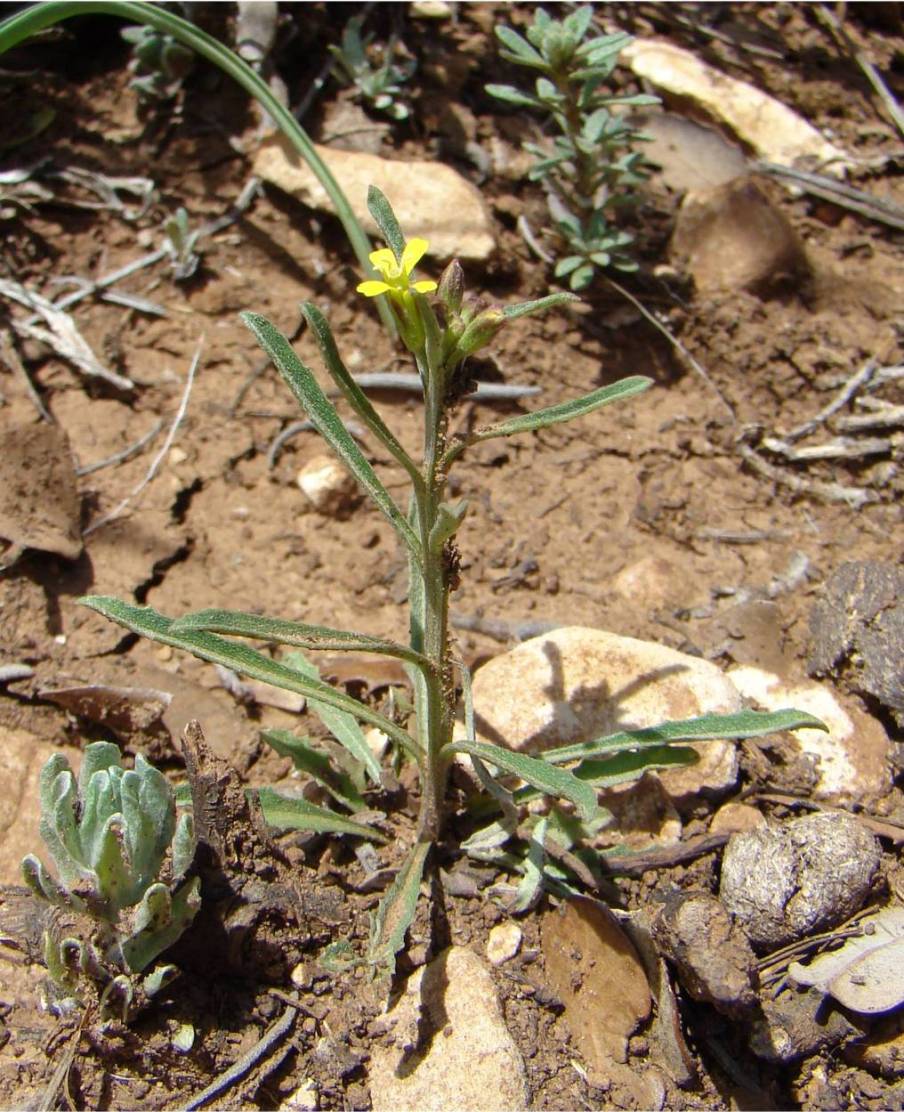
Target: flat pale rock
772, 129
732, 237
22, 756
852, 760
430, 199
575, 684
447, 1048
39, 502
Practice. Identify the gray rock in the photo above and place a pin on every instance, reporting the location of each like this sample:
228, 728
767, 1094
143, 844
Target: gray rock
857, 631
807, 875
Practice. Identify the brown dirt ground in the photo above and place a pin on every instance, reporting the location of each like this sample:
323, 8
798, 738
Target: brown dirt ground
553, 519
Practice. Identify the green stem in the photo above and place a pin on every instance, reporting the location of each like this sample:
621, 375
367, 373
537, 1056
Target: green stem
435, 718
29, 22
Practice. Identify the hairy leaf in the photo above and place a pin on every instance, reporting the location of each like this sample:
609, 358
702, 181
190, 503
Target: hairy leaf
150, 623
285, 813
534, 771
396, 911
327, 421
236, 623
707, 727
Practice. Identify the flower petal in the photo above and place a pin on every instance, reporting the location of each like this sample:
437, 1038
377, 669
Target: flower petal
383, 260
426, 285
415, 249
372, 288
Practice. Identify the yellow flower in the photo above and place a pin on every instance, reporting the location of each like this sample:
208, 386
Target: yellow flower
397, 275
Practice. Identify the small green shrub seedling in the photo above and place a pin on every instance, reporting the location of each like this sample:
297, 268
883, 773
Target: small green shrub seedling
440, 339
159, 63
592, 167
380, 86
120, 853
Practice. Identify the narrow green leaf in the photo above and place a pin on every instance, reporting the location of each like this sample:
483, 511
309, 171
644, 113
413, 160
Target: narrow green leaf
352, 392
317, 765
396, 911
533, 868
150, 623
236, 623
341, 724
523, 52
624, 767
326, 420
707, 727
534, 771
511, 95
284, 813
490, 784
540, 305
566, 411
381, 210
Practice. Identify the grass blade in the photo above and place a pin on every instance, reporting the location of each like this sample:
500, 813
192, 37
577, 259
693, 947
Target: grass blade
326, 420
396, 911
534, 771
285, 813
707, 727
236, 623
150, 623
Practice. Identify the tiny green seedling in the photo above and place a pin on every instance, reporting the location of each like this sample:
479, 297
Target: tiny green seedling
159, 63
591, 168
380, 86
121, 854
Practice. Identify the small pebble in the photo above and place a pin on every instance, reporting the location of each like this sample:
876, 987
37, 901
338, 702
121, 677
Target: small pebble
503, 942
328, 486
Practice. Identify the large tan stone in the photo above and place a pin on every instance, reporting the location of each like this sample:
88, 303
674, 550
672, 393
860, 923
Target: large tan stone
430, 199
852, 760
576, 684
772, 129
450, 1050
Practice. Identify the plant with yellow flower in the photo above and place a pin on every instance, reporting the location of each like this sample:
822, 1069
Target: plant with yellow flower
440, 334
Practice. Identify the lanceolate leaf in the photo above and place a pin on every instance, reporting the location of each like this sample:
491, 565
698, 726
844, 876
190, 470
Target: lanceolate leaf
352, 392
396, 911
317, 765
381, 210
528, 308
341, 724
567, 411
327, 421
534, 771
297, 814
236, 623
624, 767
707, 727
150, 623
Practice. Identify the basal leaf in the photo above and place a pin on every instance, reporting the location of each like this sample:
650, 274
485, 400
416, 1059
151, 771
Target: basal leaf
534, 771
317, 765
326, 420
707, 727
285, 813
396, 911
341, 724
